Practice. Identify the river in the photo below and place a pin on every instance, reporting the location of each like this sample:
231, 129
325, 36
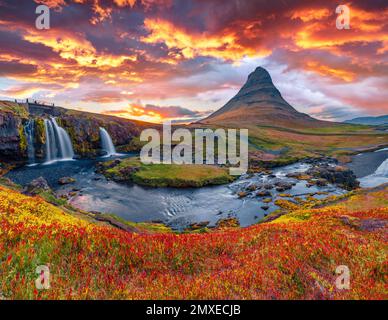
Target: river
179, 208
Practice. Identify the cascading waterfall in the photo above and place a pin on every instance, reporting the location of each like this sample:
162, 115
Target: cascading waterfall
380, 176
58, 143
106, 143
382, 170
29, 131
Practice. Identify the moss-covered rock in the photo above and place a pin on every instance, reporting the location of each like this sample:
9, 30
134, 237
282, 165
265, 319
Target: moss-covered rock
164, 175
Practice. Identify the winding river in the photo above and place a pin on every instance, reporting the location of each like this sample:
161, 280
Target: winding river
179, 208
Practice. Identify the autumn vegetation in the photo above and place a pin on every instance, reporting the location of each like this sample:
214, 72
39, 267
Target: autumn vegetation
291, 257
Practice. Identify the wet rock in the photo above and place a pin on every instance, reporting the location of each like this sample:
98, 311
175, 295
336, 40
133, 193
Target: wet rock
265, 207
267, 200
252, 187
66, 180
283, 185
321, 161
198, 225
242, 194
321, 182
268, 186
285, 195
228, 223
263, 193
298, 175
36, 187
339, 175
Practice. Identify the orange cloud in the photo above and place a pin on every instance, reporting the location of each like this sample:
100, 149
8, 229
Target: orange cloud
224, 46
76, 48
307, 15
364, 26
157, 114
328, 71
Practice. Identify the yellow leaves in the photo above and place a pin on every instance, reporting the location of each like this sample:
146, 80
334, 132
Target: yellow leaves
285, 204
32, 211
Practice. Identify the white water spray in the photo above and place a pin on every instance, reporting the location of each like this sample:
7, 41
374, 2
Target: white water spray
58, 143
106, 143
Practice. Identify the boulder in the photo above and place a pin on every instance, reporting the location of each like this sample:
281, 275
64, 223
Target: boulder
268, 186
242, 194
263, 193
66, 180
252, 187
36, 187
339, 175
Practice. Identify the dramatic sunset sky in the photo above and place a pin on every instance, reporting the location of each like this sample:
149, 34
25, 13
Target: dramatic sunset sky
181, 59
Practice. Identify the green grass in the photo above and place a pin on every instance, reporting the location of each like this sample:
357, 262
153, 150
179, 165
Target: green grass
168, 175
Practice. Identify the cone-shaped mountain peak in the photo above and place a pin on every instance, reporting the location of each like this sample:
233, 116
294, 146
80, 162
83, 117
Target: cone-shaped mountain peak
260, 102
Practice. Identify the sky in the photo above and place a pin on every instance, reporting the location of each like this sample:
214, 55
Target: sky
180, 60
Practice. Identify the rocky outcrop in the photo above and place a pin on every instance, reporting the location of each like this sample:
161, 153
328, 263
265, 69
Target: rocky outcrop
13, 143
82, 127
66, 180
338, 175
85, 135
37, 186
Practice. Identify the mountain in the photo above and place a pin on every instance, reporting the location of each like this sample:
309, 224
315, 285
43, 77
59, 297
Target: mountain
373, 121
260, 102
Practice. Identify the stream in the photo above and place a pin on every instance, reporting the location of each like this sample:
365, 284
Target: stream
179, 208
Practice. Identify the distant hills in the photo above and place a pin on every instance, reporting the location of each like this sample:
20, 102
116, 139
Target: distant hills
260, 102
373, 121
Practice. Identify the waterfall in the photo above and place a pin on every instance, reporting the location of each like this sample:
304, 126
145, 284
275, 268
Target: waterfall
106, 143
382, 170
29, 131
380, 176
58, 143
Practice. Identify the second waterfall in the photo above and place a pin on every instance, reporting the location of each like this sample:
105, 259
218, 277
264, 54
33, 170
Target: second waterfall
58, 143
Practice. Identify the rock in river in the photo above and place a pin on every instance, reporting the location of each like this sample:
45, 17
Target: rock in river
339, 175
66, 180
36, 186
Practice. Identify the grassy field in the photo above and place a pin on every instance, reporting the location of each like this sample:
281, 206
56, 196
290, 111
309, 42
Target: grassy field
281, 144
166, 175
292, 257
